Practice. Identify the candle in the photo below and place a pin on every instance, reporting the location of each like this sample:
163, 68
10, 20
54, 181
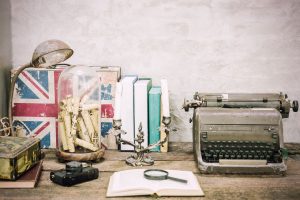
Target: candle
117, 112
165, 97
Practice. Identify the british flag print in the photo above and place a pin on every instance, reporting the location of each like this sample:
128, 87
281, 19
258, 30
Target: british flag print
35, 104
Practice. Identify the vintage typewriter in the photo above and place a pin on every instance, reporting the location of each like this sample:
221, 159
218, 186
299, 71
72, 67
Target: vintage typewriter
240, 133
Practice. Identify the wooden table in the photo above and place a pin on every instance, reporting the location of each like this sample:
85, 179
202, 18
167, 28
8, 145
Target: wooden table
180, 158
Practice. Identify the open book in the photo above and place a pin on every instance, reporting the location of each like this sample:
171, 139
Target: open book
133, 183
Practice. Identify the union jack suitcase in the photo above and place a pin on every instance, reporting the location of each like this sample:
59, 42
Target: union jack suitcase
35, 104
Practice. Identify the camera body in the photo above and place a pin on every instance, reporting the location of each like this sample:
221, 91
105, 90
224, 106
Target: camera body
73, 174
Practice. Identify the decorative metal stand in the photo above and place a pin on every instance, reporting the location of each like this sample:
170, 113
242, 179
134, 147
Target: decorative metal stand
5, 128
140, 159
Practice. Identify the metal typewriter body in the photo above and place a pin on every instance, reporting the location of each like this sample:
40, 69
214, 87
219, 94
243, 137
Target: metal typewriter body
240, 134
238, 140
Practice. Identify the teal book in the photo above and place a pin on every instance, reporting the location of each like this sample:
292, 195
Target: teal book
154, 116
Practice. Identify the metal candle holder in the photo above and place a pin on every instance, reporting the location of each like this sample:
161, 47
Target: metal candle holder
140, 159
5, 129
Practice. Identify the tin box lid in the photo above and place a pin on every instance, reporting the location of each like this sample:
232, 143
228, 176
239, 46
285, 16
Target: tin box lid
10, 147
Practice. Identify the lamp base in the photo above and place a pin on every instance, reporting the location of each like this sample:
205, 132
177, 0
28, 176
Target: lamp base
81, 157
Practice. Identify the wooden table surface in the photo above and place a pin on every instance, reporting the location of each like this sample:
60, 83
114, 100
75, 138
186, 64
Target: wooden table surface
180, 158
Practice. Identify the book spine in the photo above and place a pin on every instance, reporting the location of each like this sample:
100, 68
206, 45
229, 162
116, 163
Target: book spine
127, 111
154, 118
164, 146
165, 112
141, 108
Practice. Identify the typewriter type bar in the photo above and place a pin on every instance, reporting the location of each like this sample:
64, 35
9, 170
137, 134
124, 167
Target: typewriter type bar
243, 100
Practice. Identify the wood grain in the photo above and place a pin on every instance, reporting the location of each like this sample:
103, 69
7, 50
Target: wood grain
215, 187
181, 158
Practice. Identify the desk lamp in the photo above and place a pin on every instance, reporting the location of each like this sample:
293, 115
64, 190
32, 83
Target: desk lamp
47, 53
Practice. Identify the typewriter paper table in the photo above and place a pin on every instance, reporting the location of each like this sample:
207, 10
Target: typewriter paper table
180, 158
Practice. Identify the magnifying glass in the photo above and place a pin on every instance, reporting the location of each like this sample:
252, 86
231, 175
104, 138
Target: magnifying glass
158, 174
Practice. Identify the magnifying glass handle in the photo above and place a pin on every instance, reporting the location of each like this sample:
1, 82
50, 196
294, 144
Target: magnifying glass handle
177, 179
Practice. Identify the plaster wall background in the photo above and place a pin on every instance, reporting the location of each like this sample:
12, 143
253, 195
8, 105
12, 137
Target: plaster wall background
5, 54
198, 45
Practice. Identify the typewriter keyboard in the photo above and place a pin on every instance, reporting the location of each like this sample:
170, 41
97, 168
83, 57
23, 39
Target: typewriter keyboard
212, 151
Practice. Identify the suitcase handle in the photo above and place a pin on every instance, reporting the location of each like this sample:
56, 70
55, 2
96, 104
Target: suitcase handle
60, 65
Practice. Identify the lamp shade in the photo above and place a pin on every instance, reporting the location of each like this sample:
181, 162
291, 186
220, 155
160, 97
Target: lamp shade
50, 52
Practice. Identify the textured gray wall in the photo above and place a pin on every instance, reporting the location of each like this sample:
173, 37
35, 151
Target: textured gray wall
5, 54
198, 45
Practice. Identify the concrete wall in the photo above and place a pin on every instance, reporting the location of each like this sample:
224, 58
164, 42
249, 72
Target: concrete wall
5, 54
198, 45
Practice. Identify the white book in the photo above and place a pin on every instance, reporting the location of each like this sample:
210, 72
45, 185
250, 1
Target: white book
141, 90
133, 183
164, 100
127, 111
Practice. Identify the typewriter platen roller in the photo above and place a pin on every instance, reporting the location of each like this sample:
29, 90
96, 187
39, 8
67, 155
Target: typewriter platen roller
279, 101
241, 137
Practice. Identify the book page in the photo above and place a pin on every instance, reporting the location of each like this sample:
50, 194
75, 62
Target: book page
175, 188
132, 182
27, 180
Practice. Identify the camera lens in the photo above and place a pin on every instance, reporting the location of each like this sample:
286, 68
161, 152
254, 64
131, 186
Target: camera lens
73, 167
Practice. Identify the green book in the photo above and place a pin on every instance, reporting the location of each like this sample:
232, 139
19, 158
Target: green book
154, 116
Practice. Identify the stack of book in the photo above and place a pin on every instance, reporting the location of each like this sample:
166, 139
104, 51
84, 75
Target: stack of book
27, 180
141, 103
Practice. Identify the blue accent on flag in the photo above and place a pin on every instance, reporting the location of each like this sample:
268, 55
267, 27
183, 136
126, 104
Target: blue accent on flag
17, 123
106, 92
41, 77
45, 142
29, 126
32, 124
105, 127
24, 91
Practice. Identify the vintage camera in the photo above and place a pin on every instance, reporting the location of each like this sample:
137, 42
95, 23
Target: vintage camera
73, 174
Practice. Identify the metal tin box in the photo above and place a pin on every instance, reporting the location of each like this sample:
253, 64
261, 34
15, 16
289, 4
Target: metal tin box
17, 155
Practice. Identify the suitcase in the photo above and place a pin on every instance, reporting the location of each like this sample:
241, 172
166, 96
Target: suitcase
17, 155
233, 140
35, 102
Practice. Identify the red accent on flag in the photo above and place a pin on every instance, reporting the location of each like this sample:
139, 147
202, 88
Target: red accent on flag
42, 128
35, 110
107, 111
